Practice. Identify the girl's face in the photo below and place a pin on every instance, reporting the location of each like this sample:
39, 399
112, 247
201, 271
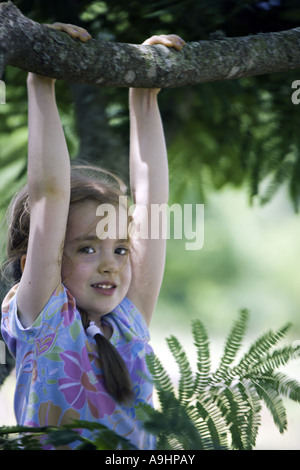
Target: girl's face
96, 272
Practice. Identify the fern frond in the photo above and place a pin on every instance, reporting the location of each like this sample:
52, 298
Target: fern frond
277, 358
171, 443
222, 410
284, 386
202, 428
159, 422
232, 345
201, 343
273, 402
254, 415
217, 429
164, 443
186, 381
180, 425
160, 376
235, 409
283, 173
259, 349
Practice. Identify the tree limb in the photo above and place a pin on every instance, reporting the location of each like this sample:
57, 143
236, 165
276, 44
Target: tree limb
33, 47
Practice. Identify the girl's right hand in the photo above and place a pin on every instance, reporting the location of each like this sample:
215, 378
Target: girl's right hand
76, 32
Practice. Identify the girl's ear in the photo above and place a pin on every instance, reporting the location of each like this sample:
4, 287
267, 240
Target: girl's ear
22, 262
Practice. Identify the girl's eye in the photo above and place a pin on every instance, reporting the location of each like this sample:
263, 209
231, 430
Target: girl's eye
121, 251
87, 250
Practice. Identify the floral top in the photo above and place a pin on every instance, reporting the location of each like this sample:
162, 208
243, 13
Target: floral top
58, 372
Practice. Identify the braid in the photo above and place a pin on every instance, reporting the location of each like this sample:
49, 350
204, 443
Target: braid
116, 376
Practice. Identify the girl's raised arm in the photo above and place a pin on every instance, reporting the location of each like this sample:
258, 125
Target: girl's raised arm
48, 179
49, 196
149, 186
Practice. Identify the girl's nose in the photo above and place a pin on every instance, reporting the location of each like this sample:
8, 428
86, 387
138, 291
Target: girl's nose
107, 264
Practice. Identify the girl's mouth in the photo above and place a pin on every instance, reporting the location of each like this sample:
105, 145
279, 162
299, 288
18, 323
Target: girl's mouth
106, 288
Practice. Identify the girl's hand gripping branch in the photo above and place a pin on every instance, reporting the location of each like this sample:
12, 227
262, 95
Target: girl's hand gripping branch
147, 141
169, 40
149, 186
76, 32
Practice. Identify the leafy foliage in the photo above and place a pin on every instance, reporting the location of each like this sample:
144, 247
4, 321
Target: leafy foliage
207, 410
235, 132
221, 409
38, 438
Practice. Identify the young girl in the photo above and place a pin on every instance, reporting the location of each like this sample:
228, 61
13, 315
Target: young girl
77, 317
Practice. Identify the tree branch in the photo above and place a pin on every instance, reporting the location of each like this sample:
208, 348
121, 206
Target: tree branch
33, 47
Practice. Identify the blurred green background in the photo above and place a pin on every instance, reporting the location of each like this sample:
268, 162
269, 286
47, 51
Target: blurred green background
233, 146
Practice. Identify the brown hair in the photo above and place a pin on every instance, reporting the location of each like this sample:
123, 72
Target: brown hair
87, 182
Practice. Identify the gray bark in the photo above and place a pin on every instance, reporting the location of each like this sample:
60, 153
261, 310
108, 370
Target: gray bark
34, 47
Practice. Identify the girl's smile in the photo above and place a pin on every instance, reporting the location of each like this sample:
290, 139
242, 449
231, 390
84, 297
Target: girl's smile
96, 272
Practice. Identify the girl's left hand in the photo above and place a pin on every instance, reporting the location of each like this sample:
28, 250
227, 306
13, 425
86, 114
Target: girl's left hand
76, 32
169, 40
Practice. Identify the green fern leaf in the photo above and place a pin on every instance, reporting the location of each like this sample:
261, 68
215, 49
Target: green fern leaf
160, 376
186, 382
273, 402
222, 410
284, 386
235, 409
259, 349
232, 345
181, 428
277, 358
284, 172
160, 423
201, 343
254, 415
217, 428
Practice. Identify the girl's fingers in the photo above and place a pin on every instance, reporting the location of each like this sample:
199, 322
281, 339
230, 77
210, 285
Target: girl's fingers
169, 40
76, 32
